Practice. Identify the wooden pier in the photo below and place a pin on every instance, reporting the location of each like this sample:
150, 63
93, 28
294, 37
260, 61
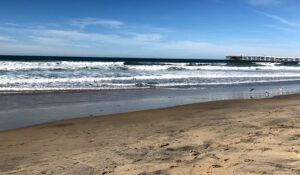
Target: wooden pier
264, 59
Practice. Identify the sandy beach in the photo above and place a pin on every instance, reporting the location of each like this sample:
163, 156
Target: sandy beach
223, 137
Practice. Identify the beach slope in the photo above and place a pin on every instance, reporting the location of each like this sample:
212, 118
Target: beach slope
223, 137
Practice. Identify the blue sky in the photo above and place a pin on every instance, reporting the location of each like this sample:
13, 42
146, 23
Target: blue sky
150, 28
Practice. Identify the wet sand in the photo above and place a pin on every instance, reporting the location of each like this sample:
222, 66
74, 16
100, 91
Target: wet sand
223, 137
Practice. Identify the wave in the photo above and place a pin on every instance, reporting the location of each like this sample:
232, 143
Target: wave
59, 65
131, 86
176, 68
14, 80
152, 66
212, 68
145, 63
117, 75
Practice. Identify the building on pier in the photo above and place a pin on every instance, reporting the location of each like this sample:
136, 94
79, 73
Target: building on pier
264, 59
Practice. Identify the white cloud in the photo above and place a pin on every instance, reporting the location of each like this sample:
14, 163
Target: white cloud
130, 48
6, 38
73, 37
40, 49
148, 28
70, 37
83, 22
184, 45
129, 42
282, 20
11, 24
147, 37
280, 28
55, 42
76, 35
129, 35
284, 24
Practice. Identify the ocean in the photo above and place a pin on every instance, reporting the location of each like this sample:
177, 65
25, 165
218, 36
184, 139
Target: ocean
36, 90
18, 74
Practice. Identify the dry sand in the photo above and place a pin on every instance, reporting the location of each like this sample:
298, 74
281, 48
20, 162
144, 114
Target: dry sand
225, 137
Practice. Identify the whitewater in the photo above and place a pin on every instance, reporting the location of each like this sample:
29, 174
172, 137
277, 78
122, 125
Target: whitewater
96, 75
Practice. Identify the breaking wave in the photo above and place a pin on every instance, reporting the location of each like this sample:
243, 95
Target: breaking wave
67, 75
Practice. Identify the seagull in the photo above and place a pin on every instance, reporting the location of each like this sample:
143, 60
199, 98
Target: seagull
251, 89
267, 93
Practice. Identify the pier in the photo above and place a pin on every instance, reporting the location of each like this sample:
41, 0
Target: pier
264, 59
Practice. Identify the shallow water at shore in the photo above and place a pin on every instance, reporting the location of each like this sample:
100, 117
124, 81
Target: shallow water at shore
26, 109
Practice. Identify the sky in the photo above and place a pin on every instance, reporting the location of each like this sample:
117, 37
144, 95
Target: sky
150, 28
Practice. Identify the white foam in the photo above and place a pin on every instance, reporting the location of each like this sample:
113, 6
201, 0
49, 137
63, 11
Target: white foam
73, 65
127, 86
19, 65
9, 80
109, 77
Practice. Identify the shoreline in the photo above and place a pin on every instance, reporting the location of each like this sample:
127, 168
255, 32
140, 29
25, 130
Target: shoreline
259, 136
132, 112
27, 109
148, 110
